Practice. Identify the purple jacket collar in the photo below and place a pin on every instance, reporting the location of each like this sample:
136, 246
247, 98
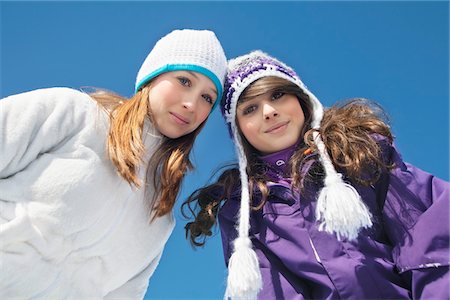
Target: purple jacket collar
277, 163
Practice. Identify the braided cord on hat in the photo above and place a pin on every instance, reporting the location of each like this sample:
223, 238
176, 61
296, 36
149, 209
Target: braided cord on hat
244, 278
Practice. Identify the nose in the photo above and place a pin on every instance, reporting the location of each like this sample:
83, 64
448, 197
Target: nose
189, 104
269, 111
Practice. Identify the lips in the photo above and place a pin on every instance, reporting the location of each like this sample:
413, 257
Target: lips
179, 119
277, 127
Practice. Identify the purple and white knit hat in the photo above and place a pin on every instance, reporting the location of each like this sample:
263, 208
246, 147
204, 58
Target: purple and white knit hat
339, 210
246, 69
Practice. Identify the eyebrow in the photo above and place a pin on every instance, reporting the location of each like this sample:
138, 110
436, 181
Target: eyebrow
196, 76
192, 73
244, 100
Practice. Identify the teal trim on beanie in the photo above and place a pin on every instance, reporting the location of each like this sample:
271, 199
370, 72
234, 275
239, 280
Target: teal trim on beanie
184, 67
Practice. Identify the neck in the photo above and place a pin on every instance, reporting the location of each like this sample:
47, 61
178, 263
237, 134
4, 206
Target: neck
277, 163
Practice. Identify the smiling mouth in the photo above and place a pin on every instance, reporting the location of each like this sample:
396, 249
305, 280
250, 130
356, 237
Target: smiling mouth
179, 119
277, 127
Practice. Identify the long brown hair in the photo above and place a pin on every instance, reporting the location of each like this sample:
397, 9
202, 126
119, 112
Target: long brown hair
167, 165
347, 131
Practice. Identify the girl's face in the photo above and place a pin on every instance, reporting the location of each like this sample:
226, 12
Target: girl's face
180, 101
271, 122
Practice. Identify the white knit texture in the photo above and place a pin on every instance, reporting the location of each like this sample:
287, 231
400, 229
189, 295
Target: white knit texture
186, 47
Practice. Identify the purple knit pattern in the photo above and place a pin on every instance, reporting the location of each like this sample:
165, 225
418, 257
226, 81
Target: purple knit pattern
246, 68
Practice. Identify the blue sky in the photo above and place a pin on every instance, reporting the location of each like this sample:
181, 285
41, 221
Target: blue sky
395, 53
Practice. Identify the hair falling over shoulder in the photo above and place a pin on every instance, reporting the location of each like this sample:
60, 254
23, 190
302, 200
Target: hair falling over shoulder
125, 144
168, 166
126, 149
348, 130
203, 204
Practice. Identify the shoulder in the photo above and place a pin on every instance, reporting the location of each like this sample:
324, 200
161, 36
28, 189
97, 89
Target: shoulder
51, 92
50, 98
63, 110
65, 95
389, 152
230, 208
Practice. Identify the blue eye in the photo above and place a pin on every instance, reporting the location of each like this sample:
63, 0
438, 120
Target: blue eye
208, 98
184, 81
277, 95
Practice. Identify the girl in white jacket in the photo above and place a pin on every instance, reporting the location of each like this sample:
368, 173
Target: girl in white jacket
88, 181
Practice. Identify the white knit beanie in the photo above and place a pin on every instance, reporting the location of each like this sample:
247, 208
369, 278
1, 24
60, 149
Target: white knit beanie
339, 210
189, 50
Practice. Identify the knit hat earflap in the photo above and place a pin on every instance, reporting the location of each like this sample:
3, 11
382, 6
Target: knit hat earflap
188, 50
340, 209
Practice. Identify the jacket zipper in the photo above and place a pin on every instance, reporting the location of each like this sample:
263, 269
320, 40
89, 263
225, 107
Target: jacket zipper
315, 251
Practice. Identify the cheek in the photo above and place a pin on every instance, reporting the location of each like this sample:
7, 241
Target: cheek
301, 120
163, 94
249, 131
155, 97
152, 104
295, 110
203, 114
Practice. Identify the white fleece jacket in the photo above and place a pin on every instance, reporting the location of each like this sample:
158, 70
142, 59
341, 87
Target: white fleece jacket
70, 226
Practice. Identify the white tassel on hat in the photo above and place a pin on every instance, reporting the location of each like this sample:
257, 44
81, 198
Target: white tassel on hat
244, 278
244, 281
340, 209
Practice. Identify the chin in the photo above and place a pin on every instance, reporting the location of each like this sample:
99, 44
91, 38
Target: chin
174, 135
286, 145
169, 134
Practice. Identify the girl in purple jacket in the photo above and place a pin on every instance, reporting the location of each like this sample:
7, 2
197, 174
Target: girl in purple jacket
321, 205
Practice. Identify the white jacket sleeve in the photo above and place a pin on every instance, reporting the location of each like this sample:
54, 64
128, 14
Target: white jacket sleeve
35, 122
137, 286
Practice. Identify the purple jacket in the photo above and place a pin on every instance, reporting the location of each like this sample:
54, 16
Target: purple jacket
404, 255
